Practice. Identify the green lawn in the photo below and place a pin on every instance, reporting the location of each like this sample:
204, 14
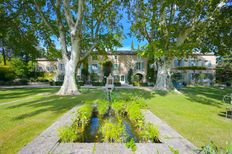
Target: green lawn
34, 111
197, 114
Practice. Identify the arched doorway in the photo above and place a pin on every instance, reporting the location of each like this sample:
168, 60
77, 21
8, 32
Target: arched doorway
138, 77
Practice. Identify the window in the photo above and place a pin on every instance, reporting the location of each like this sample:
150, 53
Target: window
94, 67
116, 66
122, 78
116, 57
176, 62
61, 67
139, 58
209, 63
116, 78
139, 65
40, 69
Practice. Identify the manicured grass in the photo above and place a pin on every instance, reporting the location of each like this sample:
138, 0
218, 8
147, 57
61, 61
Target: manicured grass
197, 114
22, 119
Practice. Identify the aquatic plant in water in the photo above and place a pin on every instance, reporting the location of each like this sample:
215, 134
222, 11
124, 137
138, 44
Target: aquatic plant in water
149, 133
102, 107
82, 117
119, 107
112, 132
67, 134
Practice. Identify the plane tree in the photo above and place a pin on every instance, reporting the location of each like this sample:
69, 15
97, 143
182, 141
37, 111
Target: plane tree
80, 27
172, 29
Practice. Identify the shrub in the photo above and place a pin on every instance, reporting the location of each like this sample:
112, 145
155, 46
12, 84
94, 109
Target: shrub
112, 132
56, 83
131, 144
209, 149
21, 82
129, 77
102, 107
46, 77
119, 107
67, 134
144, 84
117, 83
135, 83
82, 117
94, 77
135, 115
80, 83
6, 74
149, 133
97, 83
213, 149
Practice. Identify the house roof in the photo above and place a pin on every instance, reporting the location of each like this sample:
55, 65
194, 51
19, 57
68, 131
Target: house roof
122, 52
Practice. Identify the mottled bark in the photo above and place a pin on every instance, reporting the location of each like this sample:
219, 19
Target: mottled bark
163, 81
69, 86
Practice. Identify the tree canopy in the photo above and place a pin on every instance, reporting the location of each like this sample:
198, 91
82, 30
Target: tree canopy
177, 28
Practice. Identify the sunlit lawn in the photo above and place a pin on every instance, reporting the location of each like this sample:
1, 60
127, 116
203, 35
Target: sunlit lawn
33, 112
197, 114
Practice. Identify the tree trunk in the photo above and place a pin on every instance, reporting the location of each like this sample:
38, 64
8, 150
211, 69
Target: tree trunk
69, 86
4, 55
163, 81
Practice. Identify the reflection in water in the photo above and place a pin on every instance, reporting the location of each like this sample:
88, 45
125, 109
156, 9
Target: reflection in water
92, 131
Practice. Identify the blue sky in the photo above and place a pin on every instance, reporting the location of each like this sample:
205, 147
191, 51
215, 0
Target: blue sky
126, 42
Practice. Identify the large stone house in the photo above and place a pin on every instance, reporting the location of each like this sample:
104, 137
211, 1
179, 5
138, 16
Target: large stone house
123, 61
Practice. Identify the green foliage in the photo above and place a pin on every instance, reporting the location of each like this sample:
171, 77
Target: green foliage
131, 144
107, 69
94, 77
229, 147
213, 149
174, 151
97, 83
135, 115
149, 133
191, 68
209, 149
6, 74
119, 107
129, 77
112, 132
102, 107
82, 117
67, 134
224, 71
19, 67
177, 76
150, 71
176, 29
47, 76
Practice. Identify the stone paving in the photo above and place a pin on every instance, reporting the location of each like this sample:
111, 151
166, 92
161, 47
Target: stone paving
48, 141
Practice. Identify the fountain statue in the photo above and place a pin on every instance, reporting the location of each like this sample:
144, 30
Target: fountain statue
109, 86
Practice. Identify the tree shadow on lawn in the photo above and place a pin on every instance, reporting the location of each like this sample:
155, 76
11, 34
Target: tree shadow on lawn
210, 92
53, 103
223, 114
24, 92
62, 104
129, 93
160, 92
208, 95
